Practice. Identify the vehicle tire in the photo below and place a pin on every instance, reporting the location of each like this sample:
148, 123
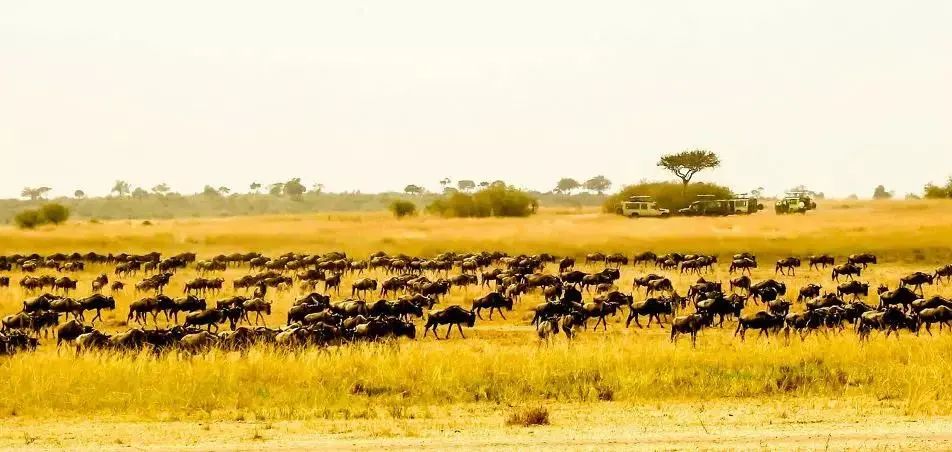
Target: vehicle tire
634, 215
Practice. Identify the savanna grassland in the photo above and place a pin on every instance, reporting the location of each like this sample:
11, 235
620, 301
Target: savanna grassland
616, 388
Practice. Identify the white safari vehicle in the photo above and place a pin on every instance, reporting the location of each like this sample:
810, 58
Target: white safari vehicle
642, 206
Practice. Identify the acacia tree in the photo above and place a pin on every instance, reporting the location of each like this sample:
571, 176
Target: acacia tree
465, 185
79, 194
567, 185
121, 188
686, 164
881, 193
294, 188
35, 192
413, 189
255, 187
598, 184
161, 189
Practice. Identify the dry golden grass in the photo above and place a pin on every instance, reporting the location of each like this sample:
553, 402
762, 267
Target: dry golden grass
500, 363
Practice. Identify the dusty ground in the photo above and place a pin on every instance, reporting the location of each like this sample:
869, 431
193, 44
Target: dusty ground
743, 424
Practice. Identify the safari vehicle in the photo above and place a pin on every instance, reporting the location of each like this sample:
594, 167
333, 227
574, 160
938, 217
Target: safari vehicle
642, 206
707, 206
795, 202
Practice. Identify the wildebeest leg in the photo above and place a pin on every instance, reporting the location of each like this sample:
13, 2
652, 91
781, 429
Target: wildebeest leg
459, 326
501, 314
929, 330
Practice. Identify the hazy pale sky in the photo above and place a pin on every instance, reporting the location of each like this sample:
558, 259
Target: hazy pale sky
372, 95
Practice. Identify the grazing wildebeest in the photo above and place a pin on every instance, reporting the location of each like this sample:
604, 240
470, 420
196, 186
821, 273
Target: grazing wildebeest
821, 261
644, 258
594, 258
617, 259
452, 315
761, 320
809, 291
854, 288
642, 281
743, 265
689, 324
659, 285
789, 264
916, 280
757, 290
741, 282
849, 269
494, 301
70, 330
862, 259
944, 271
566, 263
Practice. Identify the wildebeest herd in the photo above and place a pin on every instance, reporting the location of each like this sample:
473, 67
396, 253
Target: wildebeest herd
411, 287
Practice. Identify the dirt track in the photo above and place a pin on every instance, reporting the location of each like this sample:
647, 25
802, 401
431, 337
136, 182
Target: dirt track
795, 424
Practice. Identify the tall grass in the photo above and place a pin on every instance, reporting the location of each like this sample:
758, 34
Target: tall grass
372, 379
500, 362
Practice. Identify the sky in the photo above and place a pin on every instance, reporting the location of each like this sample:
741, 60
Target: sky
373, 95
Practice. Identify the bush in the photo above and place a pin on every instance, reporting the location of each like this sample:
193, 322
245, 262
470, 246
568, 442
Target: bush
402, 208
496, 200
55, 213
669, 195
29, 219
528, 417
933, 191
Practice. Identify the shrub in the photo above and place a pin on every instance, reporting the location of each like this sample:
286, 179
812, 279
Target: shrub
496, 200
402, 208
669, 195
29, 219
55, 213
933, 191
528, 417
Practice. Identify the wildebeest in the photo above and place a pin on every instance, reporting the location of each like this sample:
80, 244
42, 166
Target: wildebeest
741, 282
916, 280
742, 265
848, 269
209, 318
761, 320
809, 291
821, 261
901, 296
944, 271
644, 258
494, 301
862, 259
654, 308
854, 288
599, 311
789, 264
258, 306
941, 315
452, 315
69, 331
689, 324
98, 302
